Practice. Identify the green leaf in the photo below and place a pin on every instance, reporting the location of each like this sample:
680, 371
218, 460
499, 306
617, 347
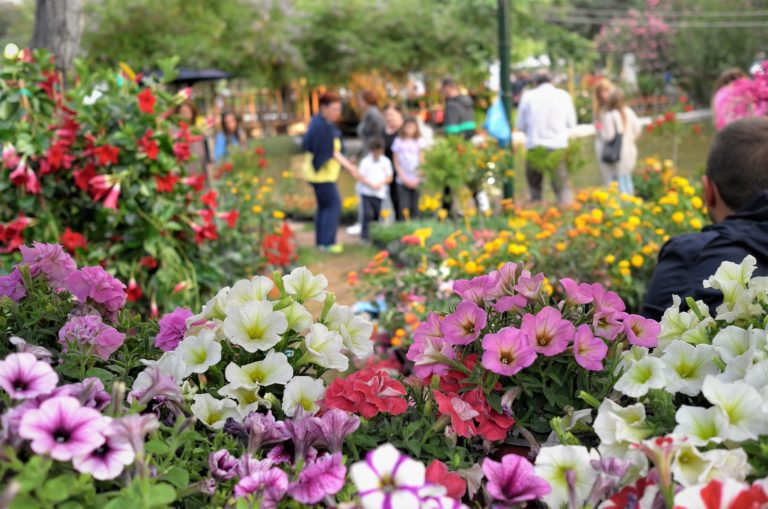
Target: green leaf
161, 494
24, 501
177, 476
35, 472
102, 374
57, 489
494, 399
157, 446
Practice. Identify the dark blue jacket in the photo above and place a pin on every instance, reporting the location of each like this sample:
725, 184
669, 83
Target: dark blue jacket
319, 140
686, 261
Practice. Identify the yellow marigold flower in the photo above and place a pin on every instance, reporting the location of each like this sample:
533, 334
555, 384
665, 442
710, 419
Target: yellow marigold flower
656, 210
678, 217
464, 254
695, 223
597, 215
624, 264
648, 249
625, 272
270, 181
689, 191
560, 246
256, 209
517, 249
395, 341
233, 190
660, 231
618, 213
470, 267
634, 220
609, 259
618, 233
637, 261
278, 214
696, 202
442, 214
287, 174
450, 262
247, 197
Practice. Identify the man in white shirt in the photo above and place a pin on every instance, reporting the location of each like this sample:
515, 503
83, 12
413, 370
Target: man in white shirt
374, 175
545, 115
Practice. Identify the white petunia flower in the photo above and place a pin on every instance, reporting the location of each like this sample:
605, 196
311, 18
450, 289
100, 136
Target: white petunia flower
733, 342
726, 464
245, 290
729, 272
214, 309
324, 348
642, 376
302, 285
757, 375
248, 399
171, 364
617, 424
556, 464
388, 478
299, 319
273, 369
701, 425
303, 391
736, 370
199, 352
689, 465
355, 331
685, 325
741, 405
628, 452
255, 326
629, 357
687, 366
214, 412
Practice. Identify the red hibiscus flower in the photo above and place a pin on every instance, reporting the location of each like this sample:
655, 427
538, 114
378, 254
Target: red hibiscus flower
207, 215
438, 473
72, 240
84, 175
165, 183
24, 176
203, 233
146, 101
107, 188
210, 198
106, 154
367, 393
133, 291
230, 217
181, 151
11, 234
148, 262
148, 146
196, 182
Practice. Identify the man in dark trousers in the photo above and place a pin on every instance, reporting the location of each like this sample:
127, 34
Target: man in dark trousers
736, 196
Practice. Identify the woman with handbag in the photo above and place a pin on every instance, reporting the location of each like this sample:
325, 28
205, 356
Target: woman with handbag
619, 131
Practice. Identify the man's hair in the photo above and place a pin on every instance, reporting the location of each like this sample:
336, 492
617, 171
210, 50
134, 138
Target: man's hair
738, 161
542, 77
447, 83
329, 98
376, 144
370, 98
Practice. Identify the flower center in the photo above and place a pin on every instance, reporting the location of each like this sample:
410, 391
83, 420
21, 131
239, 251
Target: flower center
20, 385
102, 451
543, 338
468, 327
61, 435
506, 357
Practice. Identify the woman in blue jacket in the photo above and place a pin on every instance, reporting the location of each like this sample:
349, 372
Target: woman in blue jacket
230, 135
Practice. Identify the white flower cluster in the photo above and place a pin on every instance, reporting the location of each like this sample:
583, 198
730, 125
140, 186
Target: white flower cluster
279, 340
721, 360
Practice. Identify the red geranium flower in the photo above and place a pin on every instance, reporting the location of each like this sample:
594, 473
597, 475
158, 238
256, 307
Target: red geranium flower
210, 198
262, 163
669, 116
149, 146
203, 233
24, 176
207, 215
72, 240
438, 473
133, 291
165, 183
106, 154
146, 101
260, 151
84, 175
11, 234
181, 151
368, 393
196, 182
230, 217
279, 249
462, 414
148, 262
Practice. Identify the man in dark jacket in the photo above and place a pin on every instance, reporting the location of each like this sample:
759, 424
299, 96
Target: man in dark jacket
736, 195
459, 111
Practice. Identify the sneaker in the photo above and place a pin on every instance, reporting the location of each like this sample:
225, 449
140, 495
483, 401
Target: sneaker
355, 229
336, 249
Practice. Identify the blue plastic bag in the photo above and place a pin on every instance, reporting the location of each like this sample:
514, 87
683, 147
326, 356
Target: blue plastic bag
497, 124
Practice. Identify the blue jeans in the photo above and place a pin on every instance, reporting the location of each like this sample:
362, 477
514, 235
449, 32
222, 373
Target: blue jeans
625, 184
328, 213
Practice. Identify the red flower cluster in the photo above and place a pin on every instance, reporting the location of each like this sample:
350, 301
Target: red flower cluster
184, 137
146, 101
367, 393
438, 473
72, 240
59, 153
133, 291
471, 415
165, 183
279, 249
11, 234
106, 154
148, 146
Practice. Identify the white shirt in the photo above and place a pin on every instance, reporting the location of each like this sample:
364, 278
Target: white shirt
545, 115
375, 172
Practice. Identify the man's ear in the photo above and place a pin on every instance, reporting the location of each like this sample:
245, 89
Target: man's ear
711, 193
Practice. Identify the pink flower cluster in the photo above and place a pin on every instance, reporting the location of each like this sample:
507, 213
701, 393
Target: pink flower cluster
91, 335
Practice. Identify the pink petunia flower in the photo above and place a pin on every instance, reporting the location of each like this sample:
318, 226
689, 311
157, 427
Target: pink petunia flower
90, 333
12, 286
547, 332
609, 312
49, 259
507, 352
589, 350
576, 293
319, 479
99, 286
429, 328
478, 290
430, 356
465, 324
642, 331
509, 303
62, 428
530, 286
506, 279
222, 465
22, 376
513, 480
173, 326
269, 486
109, 459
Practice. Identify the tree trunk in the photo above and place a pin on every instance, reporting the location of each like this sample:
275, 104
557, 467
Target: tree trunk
58, 25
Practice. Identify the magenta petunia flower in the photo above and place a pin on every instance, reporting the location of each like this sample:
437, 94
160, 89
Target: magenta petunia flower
507, 352
302, 432
12, 286
506, 279
513, 480
90, 392
173, 325
510, 303
223, 465
589, 350
62, 428
530, 286
478, 290
134, 429
465, 324
576, 293
642, 331
547, 332
608, 324
333, 427
261, 430
99, 286
109, 459
269, 486
22, 376
319, 479
49, 259
430, 355
429, 328
89, 332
